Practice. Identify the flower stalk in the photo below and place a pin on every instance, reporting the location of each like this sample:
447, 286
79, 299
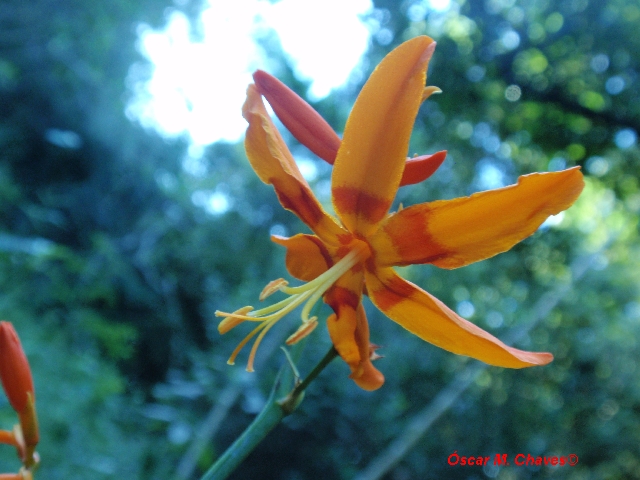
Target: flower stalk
270, 416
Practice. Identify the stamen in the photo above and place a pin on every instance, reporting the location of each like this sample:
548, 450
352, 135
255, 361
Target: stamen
254, 349
233, 319
305, 329
334, 272
245, 340
308, 294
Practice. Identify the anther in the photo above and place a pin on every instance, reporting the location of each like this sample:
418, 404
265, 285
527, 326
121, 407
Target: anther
272, 287
232, 320
305, 329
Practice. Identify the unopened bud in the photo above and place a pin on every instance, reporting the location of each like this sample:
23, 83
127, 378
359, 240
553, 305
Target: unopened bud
15, 373
300, 118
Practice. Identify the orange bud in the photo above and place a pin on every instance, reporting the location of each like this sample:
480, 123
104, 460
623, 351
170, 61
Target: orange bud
15, 373
300, 118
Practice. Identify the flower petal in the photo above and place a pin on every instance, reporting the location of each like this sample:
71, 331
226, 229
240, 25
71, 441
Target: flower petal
431, 320
272, 161
454, 233
372, 155
349, 330
307, 257
344, 297
300, 118
365, 374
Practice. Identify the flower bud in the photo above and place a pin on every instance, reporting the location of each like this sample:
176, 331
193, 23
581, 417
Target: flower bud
300, 118
15, 373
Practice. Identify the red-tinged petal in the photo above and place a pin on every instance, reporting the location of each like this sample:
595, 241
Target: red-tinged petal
420, 168
307, 257
428, 318
272, 161
300, 118
454, 233
372, 156
14, 368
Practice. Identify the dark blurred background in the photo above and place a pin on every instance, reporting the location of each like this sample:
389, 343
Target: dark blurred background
111, 269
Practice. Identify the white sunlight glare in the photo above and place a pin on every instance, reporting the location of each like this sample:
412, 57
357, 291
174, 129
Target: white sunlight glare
198, 87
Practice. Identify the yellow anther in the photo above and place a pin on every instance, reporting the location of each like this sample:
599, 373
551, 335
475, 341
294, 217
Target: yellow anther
273, 287
232, 320
305, 329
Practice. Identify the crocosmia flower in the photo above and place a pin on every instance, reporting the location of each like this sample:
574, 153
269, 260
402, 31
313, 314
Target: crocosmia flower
354, 254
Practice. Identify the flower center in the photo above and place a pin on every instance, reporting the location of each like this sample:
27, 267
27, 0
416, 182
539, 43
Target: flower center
307, 294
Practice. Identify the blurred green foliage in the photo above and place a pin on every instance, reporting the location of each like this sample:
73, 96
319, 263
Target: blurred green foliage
111, 270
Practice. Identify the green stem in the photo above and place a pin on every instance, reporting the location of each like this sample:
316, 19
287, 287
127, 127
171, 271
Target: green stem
268, 418
293, 399
273, 412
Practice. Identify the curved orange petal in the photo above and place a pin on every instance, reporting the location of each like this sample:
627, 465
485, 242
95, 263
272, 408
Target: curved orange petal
307, 257
365, 375
300, 118
454, 233
344, 297
428, 318
372, 156
272, 161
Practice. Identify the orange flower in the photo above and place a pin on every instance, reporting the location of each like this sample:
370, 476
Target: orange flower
354, 255
17, 382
